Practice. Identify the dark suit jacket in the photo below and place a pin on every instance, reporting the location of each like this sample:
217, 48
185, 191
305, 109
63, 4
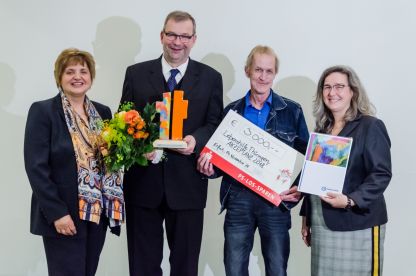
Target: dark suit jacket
177, 177
51, 166
367, 177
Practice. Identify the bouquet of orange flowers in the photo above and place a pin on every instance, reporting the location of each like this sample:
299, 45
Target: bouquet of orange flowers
128, 136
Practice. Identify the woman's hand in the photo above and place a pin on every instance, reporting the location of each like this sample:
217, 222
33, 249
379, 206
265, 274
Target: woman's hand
65, 226
306, 232
336, 200
204, 164
291, 195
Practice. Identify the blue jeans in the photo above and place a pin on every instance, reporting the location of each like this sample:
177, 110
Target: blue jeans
247, 211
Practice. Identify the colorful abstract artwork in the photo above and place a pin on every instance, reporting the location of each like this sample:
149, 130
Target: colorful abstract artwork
171, 123
327, 149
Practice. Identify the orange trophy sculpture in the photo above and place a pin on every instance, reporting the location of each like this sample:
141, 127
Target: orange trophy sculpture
172, 113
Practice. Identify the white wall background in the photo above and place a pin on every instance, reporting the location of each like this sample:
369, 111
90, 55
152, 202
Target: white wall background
376, 37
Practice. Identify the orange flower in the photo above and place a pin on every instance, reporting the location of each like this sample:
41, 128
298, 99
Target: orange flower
131, 117
130, 130
140, 124
140, 134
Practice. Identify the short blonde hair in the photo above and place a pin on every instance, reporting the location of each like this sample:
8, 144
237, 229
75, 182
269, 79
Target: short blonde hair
261, 49
72, 56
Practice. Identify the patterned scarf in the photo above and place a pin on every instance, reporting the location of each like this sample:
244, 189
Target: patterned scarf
98, 190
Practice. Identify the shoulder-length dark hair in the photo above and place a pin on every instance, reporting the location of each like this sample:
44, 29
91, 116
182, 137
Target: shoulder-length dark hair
360, 103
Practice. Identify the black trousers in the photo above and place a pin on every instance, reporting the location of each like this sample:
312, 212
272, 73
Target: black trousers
69, 256
145, 240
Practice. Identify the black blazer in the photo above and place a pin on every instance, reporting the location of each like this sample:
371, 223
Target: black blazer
367, 177
177, 177
51, 166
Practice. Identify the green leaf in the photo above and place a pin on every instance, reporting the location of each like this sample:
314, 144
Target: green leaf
141, 160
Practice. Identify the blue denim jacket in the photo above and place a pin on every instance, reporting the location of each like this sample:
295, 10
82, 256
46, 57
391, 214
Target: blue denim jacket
285, 122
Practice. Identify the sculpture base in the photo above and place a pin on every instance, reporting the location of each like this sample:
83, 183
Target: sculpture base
170, 144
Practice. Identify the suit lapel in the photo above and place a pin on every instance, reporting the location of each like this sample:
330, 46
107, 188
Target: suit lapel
156, 76
190, 79
57, 106
349, 127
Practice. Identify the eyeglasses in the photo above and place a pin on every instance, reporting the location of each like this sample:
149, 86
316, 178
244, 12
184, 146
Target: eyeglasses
182, 38
338, 87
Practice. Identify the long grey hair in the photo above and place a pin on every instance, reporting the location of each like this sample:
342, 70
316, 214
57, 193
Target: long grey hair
360, 103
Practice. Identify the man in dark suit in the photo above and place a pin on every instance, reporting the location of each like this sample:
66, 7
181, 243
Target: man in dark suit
171, 191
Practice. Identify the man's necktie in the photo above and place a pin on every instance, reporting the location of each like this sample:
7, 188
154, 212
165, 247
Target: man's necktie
172, 81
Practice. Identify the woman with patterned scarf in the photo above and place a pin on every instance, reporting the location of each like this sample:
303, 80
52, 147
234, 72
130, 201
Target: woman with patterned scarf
74, 199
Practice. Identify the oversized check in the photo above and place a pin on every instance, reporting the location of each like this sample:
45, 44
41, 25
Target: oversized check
253, 157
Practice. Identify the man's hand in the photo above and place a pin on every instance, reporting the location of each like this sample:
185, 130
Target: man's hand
291, 195
65, 226
204, 164
191, 142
